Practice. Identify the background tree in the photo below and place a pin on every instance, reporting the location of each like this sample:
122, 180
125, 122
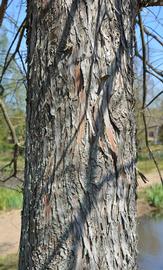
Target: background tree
12, 101
148, 68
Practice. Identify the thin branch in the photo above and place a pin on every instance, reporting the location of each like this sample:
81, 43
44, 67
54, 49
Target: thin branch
20, 32
11, 176
7, 165
23, 65
156, 36
7, 119
158, 72
11, 20
12, 43
154, 75
14, 139
10, 3
144, 60
153, 36
154, 31
24, 76
144, 96
153, 99
2, 89
3, 8
149, 150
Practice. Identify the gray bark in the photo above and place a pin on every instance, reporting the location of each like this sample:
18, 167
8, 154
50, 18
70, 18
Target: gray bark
79, 192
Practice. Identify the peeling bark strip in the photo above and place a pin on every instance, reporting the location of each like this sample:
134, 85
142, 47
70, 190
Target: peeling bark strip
79, 193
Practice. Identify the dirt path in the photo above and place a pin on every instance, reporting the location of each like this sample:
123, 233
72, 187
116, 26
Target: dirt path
10, 221
9, 232
142, 205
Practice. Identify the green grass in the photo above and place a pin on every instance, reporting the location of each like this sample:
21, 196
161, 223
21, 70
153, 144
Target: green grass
10, 199
9, 262
154, 196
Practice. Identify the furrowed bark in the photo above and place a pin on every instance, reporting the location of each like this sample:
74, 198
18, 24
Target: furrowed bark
79, 193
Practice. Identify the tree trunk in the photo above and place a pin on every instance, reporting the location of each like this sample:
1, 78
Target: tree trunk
80, 183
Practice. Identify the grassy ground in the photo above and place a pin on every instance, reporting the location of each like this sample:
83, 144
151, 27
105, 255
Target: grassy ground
5, 158
10, 199
9, 262
145, 163
148, 165
153, 195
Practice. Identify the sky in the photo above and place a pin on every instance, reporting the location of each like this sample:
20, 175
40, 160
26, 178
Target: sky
14, 16
152, 18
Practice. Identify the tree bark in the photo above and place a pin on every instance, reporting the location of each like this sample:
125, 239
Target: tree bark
80, 183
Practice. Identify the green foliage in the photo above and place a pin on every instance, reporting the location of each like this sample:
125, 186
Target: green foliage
154, 195
10, 199
9, 262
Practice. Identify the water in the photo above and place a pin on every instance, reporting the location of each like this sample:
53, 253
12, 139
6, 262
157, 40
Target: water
150, 245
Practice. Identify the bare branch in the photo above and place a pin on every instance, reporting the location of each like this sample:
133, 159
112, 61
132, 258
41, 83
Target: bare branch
3, 8
154, 75
23, 65
160, 73
151, 3
144, 95
10, 177
153, 36
1, 90
149, 150
153, 99
144, 60
20, 32
14, 139
154, 31
7, 119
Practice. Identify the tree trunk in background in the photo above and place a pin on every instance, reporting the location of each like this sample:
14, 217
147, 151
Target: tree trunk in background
79, 192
